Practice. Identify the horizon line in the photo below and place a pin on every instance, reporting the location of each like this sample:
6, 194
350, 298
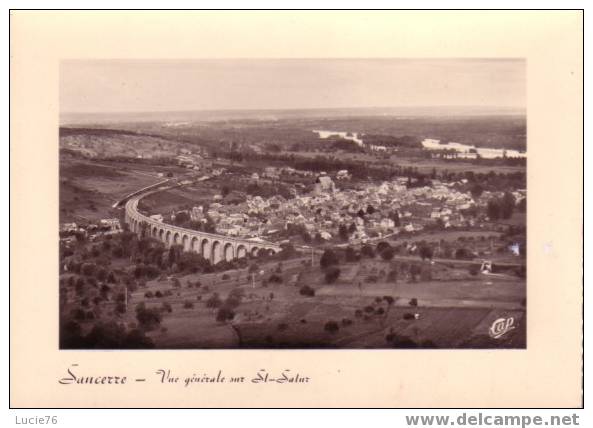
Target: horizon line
286, 109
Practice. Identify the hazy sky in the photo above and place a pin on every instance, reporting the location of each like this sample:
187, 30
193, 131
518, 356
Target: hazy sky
110, 86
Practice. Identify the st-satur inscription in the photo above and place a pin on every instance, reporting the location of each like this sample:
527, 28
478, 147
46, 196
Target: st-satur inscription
76, 375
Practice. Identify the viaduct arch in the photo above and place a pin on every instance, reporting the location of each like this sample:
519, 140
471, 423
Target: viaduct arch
213, 247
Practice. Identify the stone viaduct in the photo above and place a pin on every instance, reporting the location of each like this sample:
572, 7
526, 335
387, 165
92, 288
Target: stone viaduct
211, 246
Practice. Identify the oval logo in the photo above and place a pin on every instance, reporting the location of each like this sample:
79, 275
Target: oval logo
501, 326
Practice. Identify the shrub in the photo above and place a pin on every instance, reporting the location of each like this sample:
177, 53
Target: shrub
307, 291
275, 278
369, 309
409, 316
188, 305
158, 294
148, 295
224, 314
225, 276
148, 319
358, 313
331, 327
166, 307
413, 302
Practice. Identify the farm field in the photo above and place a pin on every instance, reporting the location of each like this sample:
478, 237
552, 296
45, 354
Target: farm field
88, 189
451, 314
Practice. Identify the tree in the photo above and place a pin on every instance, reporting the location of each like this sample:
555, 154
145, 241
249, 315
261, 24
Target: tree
476, 190
318, 239
181, 218
507, 205
370, 210
393, 275
307, 291
332, 274
331, 327
426, 252
172, 255
287, 251
493, 209
390, 301
214, 301
414, 271
388, 253
395, 218
382, 246
367, 251
343, 232
329, 258
464, 254
253, 267
149, 319
224, 314
88, 269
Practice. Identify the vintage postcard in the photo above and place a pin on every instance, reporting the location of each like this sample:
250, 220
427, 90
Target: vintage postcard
259, 226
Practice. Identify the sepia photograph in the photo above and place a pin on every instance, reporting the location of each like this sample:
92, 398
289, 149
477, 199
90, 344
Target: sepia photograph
293, 203
296, 209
